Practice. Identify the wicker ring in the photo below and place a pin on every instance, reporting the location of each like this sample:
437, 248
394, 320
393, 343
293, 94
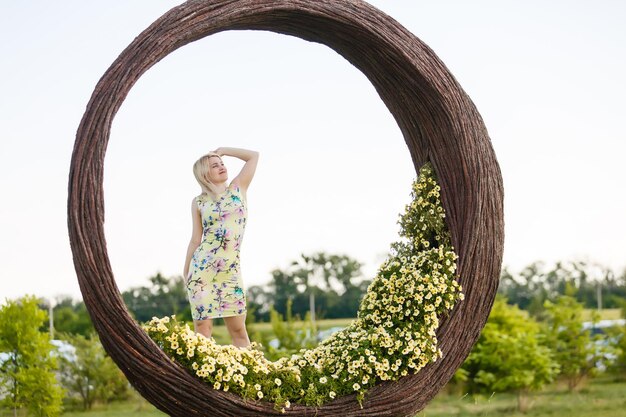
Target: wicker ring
439, 123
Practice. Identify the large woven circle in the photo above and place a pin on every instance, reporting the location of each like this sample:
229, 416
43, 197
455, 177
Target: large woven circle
439, 123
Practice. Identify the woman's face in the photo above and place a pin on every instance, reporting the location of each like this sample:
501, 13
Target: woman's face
217, 170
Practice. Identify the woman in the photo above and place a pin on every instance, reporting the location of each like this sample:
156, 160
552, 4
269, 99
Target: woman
213, 277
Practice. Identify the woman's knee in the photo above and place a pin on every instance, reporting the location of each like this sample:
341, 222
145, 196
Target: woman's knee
237, 326
238, 330
204, 326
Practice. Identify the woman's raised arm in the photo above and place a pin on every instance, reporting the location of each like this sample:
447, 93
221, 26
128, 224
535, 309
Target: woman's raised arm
251, 159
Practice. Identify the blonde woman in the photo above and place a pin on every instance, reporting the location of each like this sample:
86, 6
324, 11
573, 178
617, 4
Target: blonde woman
213, 276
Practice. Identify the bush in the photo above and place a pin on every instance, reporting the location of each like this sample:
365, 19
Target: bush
90, 375
509, 357
27, 371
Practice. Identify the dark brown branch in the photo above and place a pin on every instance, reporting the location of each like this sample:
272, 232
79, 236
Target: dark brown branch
438, 121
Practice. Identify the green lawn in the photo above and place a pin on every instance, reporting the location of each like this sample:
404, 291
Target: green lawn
605, 314
220, 333
128, 409
601, 397
265, 329
134, 407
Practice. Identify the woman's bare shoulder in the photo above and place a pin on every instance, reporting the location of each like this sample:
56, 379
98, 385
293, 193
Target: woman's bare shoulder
197, 199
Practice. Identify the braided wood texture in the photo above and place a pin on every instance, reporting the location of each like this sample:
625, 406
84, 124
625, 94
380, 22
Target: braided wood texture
439, 123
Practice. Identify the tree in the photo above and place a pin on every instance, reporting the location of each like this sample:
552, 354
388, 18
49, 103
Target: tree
291, 337
330, 278
166, 296
571, 344
258, 300
284, 287
28, 371
618, 336
90, 374
72, 317
508, 355
592, 284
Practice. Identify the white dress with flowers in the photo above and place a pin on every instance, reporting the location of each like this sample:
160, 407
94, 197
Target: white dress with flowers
214, 284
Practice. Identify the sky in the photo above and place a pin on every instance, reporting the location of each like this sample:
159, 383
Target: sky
334, 171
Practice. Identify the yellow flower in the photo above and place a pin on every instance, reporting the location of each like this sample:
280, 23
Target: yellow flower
400, 306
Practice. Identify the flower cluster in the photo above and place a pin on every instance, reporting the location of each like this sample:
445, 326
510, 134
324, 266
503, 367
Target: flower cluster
244, 371
394, 333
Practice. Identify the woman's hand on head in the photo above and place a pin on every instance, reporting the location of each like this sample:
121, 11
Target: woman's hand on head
219, 151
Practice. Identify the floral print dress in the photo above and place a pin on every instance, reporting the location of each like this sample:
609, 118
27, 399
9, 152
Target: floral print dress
214, 284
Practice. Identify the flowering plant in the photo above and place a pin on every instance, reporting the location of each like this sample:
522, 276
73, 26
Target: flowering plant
393, 335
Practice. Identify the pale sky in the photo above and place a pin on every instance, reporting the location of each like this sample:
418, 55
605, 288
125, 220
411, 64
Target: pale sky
334, 173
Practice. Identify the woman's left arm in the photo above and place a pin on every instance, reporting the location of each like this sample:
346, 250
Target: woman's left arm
251, 159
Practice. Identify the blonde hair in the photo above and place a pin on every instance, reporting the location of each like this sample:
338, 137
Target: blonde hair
201, 171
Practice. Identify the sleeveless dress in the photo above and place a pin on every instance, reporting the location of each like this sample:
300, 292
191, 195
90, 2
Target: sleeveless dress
214, 284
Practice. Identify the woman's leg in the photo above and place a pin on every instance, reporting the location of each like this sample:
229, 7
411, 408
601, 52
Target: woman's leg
204, 327
236, 326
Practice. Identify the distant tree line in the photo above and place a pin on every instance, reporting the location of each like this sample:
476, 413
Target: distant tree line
336, 281
337, 284
333, 283
593, 285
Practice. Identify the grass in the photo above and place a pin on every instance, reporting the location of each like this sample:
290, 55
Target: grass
258, 331
122, 409
605, 314
136, 406
600, 397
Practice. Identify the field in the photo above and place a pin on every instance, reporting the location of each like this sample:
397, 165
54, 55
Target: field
265, 329
605, 314
601, 397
